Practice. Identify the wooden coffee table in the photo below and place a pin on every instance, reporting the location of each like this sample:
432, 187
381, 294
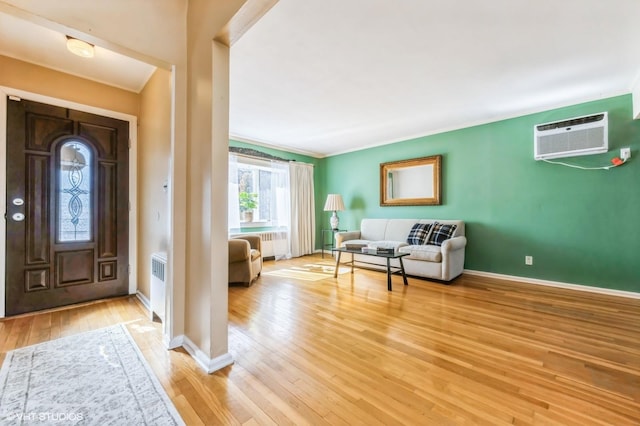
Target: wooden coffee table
390, 268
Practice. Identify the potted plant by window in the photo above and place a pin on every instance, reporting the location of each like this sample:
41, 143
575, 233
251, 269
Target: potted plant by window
247, 204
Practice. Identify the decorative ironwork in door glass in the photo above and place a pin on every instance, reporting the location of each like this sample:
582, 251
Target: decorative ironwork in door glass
74, 192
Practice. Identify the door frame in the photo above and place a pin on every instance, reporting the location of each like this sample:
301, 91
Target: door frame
133, 169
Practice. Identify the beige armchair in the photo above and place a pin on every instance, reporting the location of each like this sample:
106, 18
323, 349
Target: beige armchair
245, 259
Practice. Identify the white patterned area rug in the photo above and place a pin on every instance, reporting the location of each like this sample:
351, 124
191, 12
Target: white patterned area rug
95, 378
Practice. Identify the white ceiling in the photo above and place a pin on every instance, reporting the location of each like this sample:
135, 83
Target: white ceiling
331, 76
30, 42
328, 76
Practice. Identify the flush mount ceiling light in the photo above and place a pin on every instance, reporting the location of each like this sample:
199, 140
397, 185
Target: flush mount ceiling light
79, 47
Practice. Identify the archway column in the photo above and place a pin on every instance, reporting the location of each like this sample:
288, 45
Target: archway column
206, 261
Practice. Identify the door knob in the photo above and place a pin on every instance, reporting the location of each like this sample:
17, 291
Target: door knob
18, 217
18, 201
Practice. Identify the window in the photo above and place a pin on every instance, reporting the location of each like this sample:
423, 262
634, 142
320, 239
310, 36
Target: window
74, 192
258, 192
254, 192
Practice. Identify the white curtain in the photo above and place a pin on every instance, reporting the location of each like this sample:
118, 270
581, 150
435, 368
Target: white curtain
234, 206
280, 208
303, 218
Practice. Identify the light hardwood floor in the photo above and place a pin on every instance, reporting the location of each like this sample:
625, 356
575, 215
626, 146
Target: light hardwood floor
346, 351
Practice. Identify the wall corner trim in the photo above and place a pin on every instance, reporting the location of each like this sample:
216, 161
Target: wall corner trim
209, 365
635, 98
578, 287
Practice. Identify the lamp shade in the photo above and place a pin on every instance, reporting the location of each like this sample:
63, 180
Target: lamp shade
333, 203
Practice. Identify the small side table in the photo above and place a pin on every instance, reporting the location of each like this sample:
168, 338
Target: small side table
332, 233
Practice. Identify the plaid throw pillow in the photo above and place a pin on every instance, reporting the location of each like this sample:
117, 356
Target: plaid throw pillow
440, 233
418, 234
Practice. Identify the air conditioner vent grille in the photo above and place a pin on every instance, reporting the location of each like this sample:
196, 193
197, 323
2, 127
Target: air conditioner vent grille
158, 284
157, 268
571, 141
571, 122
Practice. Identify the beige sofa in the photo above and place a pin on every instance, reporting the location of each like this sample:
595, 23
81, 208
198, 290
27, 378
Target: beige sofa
440, 262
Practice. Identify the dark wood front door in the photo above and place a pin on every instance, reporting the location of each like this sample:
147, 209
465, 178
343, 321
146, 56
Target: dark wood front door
67, 207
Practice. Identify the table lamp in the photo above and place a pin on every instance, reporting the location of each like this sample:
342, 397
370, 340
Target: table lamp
334, 203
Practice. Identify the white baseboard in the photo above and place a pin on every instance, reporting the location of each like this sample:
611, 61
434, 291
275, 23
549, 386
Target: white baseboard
176, 342
209, 365
578, 287
144, 300
168, 343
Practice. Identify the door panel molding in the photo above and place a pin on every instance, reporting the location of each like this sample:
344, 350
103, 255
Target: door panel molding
37, 280
52, 131
55, 102
107, 270
74, 267
97, 133
107, 244
38, 220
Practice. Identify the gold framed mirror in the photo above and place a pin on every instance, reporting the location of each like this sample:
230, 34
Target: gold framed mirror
414, 182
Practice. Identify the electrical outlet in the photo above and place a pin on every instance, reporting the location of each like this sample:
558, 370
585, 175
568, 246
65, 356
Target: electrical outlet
528, 260
625, 153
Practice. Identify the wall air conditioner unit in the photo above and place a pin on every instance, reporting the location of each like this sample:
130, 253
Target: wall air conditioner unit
569, 138
158, 284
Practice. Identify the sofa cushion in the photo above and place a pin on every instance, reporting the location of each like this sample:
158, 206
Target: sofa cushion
418, 234
398, 229
440, 233
387, 244
373, 229
423, 252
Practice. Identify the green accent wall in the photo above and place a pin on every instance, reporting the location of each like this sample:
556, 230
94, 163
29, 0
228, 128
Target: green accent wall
580, 226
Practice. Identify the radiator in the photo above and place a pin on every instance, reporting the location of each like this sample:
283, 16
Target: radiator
158, 284
271, 240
